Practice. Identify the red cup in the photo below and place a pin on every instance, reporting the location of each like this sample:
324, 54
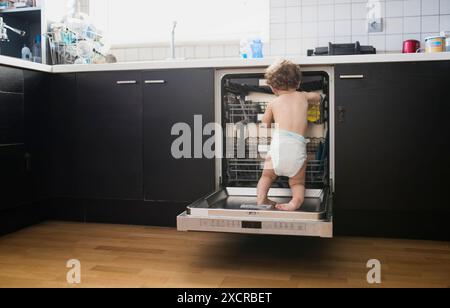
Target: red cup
411, 46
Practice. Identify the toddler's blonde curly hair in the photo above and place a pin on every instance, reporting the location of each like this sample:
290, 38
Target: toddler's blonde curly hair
284, 75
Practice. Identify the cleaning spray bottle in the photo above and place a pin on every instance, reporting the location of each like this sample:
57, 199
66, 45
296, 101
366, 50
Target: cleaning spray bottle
26, 53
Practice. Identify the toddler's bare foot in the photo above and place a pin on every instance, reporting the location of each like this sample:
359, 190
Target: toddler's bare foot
289, 207
267, 202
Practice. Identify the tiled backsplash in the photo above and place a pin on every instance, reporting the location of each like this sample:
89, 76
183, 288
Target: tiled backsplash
84, 5
298, 25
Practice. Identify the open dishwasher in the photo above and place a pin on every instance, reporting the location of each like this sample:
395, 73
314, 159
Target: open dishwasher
241, 98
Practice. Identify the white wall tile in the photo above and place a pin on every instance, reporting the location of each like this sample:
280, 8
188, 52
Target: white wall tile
394, 43
294, 46
310, 13
394, 25
394, 9
294, 30
278, 15
277, 3
326, 28
430, 24
342, 11
445, 7
293, 14
202, 52
160, 53
278, 47
359, 27
132, 55
378, 41
445, 23
278, 31
342, 28
359, 10
326, 12
412, 7
430, 7
217, 51
309, 29
293, 3
232, 50
145, 54
412, 24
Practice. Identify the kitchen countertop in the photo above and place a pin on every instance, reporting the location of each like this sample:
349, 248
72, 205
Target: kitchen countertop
223, 63
19, 63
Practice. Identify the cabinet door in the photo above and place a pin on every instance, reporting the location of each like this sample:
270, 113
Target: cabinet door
14, 179
63, 136
14, 160
170, 97
109, 135
392, 136
11, 80
12, 115
37, 101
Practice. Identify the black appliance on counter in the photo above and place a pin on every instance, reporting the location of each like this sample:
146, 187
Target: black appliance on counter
342, 49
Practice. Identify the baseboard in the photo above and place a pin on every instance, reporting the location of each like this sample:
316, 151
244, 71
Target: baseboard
391, 224
128, 212
15, 219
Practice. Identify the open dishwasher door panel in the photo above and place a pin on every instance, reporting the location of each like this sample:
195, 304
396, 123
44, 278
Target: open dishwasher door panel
241, 98
224, 211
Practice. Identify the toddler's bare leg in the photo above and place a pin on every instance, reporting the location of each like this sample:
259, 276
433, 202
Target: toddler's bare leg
297, 184
266, 181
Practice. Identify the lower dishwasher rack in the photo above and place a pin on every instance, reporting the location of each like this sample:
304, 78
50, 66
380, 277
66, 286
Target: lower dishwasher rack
221, 212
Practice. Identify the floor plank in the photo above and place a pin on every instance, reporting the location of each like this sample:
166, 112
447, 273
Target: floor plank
136, 257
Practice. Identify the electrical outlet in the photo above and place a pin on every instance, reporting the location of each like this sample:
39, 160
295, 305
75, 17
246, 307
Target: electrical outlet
375, 25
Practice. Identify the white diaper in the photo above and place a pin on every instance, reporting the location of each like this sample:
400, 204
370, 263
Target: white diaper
289, 153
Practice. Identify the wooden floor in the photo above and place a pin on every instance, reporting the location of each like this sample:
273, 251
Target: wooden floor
129, 256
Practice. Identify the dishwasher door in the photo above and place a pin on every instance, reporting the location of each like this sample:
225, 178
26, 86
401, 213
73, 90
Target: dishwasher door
225, 211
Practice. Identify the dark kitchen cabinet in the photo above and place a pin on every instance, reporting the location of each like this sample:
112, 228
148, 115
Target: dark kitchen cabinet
15, 188
11, 80
15, 161
108, 135
64, 148
170, 97
392, 137
12, 118
37, 102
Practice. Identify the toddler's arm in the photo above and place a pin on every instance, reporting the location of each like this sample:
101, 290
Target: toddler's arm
313, 98
268, 116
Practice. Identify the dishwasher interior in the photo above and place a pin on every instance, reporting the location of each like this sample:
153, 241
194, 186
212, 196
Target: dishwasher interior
241, 100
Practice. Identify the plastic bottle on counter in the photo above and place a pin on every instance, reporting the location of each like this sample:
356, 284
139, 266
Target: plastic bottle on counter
245, 49
37, 50
447, 41
257, 49
26, 53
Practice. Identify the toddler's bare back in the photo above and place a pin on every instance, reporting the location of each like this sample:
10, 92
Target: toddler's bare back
290, 112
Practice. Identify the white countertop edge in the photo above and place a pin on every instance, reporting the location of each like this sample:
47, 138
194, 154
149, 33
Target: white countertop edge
19, 63
223, 63
240, 63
